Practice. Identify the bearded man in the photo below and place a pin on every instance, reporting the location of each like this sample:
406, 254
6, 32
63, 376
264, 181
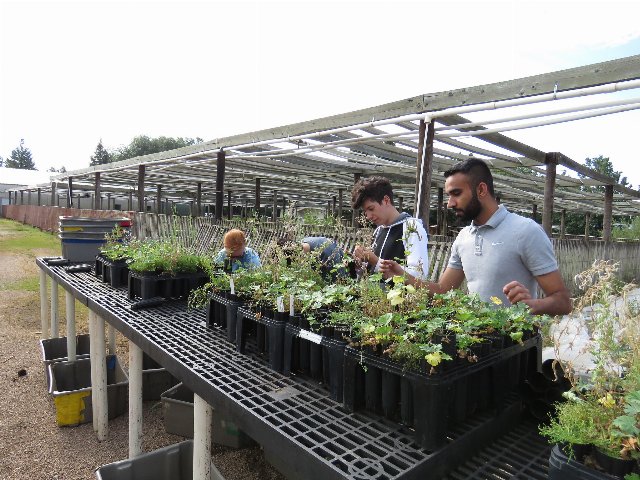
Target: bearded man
501, 254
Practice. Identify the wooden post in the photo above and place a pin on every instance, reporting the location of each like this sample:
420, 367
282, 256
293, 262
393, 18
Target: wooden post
257, 204
29, 197
54, 195
96, 191
534, 212
400, 203
109, 201
423, 173
562, 222
274, 214
69, 192
549, 191
39, 197
78, 202
354, 211
130, 200
220, 170
141, 200
159, 198
439, 215
608, 210
21, 197
199, 200
587, 218
334, 202
340, 191
229, 212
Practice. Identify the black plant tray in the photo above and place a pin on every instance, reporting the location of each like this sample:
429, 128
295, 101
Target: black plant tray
317, 356
432, 404
268, 328
149, 285
222, 311
115, 273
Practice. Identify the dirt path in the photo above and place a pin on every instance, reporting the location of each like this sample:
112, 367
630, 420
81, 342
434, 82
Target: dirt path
32, 446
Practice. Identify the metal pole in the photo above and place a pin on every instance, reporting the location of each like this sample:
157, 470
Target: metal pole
70, 192
202, 415
54, 309
340, 191
534, 212
198, 200
54, 196
135, 400
71, 326
39, 197
159, 198
44, 304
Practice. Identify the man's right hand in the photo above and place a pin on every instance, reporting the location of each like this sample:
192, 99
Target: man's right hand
389, 268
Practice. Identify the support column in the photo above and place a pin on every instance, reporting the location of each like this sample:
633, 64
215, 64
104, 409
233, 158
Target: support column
562, 222
334, 202
220, 170
70, 192
100, 386
440, 215
608, 211
354, 211
109, 201
111, 340
96, 191
141, 200
93, 355
400, 203
28, 197
229, 212
159, 198
198, 200
54, 195
202, 414
274, 214
130, 205
549, 192
54, 309
340, 191
21, 197
78, 202
534, 212
135, 400
587, 219
44, 304
39, 197
423, 172
71, 326
257, 204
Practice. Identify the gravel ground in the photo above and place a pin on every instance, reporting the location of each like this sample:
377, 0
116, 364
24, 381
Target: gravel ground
32, 446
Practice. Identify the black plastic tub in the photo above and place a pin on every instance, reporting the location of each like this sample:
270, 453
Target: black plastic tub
150, 285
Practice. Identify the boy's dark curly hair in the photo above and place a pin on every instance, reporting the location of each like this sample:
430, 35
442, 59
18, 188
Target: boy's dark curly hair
371, 188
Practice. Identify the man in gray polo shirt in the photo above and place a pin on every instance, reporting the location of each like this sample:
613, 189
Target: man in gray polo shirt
501, 254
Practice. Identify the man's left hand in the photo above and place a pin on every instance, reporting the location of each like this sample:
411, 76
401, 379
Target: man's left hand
516, 292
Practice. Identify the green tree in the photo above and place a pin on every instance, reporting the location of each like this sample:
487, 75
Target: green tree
100, 156
144, 145
21, 158
603, 165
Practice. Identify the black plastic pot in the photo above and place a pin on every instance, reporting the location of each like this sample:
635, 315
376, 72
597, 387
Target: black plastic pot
612, 465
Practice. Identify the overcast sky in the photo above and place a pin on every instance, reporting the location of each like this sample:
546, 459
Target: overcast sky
72, 73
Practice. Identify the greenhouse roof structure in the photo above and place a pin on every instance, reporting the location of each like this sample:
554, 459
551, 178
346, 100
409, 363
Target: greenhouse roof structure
312, 162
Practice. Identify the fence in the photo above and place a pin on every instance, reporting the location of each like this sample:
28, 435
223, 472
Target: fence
205, 233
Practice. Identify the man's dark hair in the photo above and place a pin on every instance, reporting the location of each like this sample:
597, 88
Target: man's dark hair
476, 170
372, 188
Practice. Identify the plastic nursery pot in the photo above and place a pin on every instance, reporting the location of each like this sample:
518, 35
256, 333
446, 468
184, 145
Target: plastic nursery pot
341, 332
575, 451
612, 465
294, 320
